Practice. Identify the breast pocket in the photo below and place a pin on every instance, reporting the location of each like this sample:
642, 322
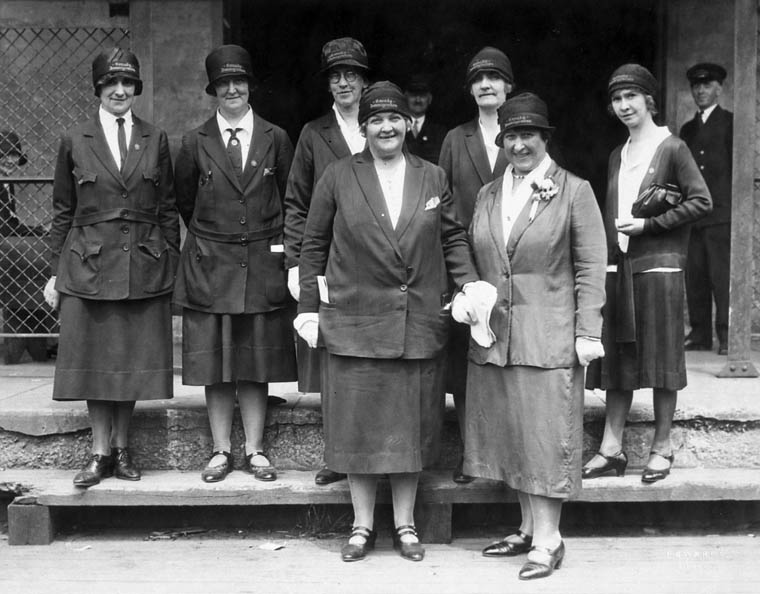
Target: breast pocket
83, 267
151, 181
205, 199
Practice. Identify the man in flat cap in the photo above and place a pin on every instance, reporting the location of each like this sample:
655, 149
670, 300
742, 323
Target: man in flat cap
709, 135
425, 137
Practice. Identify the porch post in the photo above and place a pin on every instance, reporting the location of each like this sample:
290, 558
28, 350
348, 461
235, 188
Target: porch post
742, 188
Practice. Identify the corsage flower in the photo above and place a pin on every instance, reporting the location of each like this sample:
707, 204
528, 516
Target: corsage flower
543, 191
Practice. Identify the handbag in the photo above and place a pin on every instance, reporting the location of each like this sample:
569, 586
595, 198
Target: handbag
655, 200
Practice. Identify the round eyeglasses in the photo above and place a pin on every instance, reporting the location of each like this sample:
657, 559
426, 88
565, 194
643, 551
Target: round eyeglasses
349, 75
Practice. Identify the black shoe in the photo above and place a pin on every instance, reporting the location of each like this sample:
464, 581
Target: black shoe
98, 468
265, 473
533, 569
123, 467
459, 476
413, 551
327, 476
214, 474
617, 462
696, 345
651, 475
355, 552
275, 400
723, 348
509, 548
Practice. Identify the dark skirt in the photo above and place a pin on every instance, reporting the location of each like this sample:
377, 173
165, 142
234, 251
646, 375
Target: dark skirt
114, 350
456, 367
525, 427
220, 348
656, 359
382, 415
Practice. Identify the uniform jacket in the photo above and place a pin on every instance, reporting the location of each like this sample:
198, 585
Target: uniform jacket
711, 145
465, 161
665, 239
115, 235
428, 143
386, 287
321, 142
228, 262
549, 277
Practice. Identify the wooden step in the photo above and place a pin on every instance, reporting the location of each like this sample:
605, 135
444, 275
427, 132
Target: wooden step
30, 520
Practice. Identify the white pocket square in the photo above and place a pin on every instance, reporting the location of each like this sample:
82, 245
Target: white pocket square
432, 203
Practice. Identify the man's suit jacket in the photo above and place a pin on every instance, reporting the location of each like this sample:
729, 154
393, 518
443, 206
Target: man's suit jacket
321, 142
115, 235
386, 287
427, 144
228, 264
465, 161
711, 144
549, 275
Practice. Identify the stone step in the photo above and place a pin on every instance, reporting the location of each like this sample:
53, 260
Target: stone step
30, 520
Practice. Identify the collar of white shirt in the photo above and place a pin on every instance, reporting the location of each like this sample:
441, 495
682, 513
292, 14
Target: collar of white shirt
108, 120
706, 113
246, 124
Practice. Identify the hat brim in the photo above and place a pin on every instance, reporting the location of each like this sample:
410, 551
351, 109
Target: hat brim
210, 90
103, 80
346, 62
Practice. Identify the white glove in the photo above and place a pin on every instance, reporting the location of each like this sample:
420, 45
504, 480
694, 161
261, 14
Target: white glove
588, 349
293, 286
52, 297
462, 310
307, 326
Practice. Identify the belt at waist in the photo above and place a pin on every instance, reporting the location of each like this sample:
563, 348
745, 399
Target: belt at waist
243, 237
121, 214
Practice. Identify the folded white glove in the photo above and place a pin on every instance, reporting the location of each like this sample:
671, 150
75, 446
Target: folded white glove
588, 349
462, 309
52, 297
293, 286
482, 296
307, 326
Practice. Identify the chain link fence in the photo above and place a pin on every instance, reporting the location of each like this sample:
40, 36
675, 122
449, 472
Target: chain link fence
45, 88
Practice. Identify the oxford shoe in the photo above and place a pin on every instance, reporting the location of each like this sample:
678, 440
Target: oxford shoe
327, 476
99, 467
123, 467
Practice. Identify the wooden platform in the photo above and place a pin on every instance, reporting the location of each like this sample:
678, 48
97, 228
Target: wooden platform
30, 520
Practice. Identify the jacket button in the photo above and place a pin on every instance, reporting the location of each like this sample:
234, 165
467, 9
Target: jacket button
125, 247
125, 229
242, 201
124, 213
242, 220
701, 152
124, 194
403, 287
701, 166
243, 264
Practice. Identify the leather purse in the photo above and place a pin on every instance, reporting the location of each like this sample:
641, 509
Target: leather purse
655, 200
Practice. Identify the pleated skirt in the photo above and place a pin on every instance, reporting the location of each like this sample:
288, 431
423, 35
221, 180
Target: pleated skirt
656, 359
256, 347
524, 426
114, 350
382, 415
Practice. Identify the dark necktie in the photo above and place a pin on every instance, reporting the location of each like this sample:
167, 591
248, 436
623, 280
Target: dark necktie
234, 151
700, 117
121, 137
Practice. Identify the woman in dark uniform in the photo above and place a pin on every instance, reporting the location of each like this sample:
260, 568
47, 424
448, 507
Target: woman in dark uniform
115, 244
232, 286
381, 240
328, 138
643, 317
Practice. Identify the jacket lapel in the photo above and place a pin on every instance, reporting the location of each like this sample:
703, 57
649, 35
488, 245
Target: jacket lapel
261, 143
212, 143
523, 219
411, 204
366, 175
331, 134
495, 224
98, 145
137, 143
473, 143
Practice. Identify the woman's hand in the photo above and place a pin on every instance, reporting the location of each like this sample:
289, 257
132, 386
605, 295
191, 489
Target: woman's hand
630, 226
307, 326
52, 297
588, 349
293, 286
462, 310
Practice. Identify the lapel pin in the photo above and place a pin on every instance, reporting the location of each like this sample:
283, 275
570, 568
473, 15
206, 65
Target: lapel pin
651, 170
137, 147
254, 163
